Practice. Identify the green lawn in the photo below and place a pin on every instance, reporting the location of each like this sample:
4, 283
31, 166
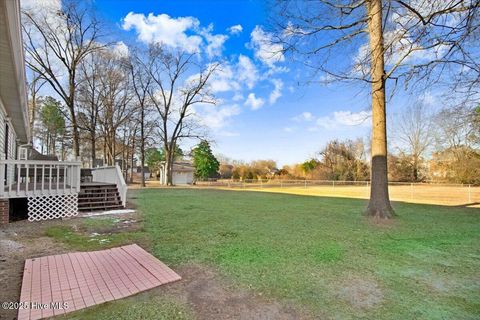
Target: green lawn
321, 254
316, 253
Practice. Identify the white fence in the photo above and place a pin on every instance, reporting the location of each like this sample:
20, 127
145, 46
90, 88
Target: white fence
433, 193
27, 178
112, 175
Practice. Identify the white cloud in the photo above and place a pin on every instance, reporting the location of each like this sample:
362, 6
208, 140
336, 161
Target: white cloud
41, 6
247, 72
216, 117
121, 49
182, 32
163, 29
265, 49
277, 91
336, 120
238, 96
223, 79
254, 102
236, 29
215, 42
304, 116
344, 118
288, 129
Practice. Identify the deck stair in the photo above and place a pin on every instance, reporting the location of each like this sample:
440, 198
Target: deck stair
97, 196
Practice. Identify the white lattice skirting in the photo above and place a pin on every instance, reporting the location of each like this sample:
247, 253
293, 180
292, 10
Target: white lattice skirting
52, 207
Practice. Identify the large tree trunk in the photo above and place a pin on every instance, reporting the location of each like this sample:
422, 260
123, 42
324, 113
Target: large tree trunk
132, 155
93, 142
415, 168
169, 165
142, 145
170, 173
73, 115
379, 205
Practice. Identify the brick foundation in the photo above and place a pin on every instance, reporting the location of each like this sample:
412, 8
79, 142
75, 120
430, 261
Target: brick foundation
4, 211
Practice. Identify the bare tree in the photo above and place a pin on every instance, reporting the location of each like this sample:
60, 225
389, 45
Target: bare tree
56, 44
414, 130
34, 87
89, 100
141, 83
457, 127
173, 96
114, 84
408, 41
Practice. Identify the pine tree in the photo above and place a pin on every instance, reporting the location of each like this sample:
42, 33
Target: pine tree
206, 165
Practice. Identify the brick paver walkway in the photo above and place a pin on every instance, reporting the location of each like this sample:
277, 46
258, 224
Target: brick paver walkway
58, 284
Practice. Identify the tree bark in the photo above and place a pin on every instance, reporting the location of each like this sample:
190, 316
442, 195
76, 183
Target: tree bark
93, 145
73, 115
132, 154
168, 163
379, 205
142, 144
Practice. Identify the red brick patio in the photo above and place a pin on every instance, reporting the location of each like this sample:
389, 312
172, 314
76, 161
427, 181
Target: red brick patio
84, 279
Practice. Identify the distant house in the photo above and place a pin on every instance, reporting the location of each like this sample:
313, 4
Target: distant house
182, 173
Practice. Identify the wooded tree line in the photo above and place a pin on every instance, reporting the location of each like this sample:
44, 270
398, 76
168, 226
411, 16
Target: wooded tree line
115, 101
442, 146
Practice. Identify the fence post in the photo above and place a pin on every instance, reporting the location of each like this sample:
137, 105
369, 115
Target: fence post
305, 183
333, 183
281, 184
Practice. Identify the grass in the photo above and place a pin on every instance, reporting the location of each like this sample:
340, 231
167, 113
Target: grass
94, 234
436, 194
316, 253
143, 307
321, 254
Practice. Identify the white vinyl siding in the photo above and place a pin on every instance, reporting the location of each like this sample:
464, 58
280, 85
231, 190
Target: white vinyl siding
12, 144
2, 134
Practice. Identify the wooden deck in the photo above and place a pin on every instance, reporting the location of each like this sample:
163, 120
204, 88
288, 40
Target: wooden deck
59, 284
45, 188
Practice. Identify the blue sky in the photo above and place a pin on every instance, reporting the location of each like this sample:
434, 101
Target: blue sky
263, 111
293, 127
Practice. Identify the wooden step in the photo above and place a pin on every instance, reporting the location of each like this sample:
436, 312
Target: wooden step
97, 193
98, 199
101, 208
95, 185
97, 203
93, 195
98, 190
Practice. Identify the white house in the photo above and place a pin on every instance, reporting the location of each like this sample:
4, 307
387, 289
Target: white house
182, 173
50, 188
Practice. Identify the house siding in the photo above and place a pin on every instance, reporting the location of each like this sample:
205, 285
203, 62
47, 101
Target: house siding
11, 148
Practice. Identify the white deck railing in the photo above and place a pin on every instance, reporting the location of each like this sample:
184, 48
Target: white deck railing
111, 175
25, 178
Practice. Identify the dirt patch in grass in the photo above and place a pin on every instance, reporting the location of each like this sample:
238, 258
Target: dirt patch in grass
209, 296
361, 293
23, 240
19, 241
